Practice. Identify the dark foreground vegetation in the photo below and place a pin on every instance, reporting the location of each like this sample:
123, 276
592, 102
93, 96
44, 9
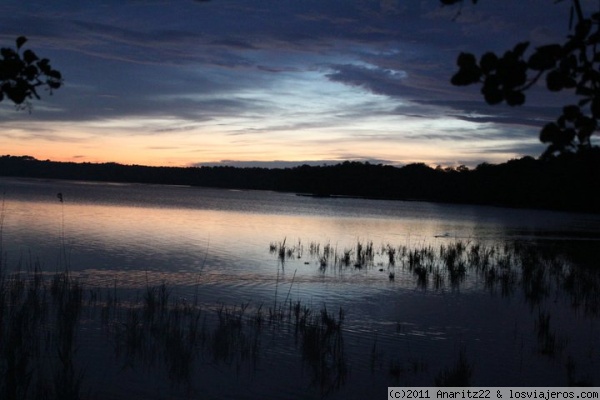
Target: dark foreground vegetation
45, 319
566, 182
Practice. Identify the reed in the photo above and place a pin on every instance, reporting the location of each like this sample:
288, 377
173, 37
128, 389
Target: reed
397, 368
549, 344
459, 375
391, 253
161, 332
572, 379
502, 268
38, 333
323, 349
229, 339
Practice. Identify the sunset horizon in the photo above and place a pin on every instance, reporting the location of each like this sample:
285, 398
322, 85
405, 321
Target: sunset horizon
180, 84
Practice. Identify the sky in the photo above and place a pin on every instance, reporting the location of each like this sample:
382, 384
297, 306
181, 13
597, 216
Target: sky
274, 82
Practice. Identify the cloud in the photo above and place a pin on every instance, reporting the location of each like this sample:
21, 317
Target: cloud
233, 43
277, 73
372, 78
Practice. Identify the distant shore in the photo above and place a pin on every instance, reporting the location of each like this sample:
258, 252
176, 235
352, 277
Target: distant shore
568, 182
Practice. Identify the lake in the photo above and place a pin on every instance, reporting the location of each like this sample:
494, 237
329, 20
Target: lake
428, 292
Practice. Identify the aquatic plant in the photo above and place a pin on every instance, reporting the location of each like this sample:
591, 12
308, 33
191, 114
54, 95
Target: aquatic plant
458, 375
323, 349
160, 332
572, 380
391, 253
548, 343
38, 332
497, 267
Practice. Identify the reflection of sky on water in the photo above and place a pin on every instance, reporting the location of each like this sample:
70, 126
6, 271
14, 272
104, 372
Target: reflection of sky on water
221, 237
215, 243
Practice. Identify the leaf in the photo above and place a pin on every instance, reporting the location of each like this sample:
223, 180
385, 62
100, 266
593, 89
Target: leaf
488, 62
44, 65
11, 68
520, 49
571, 112
466, 60
21, 41
54, 74
492, 94
586, 123
515, 75
515, 98
567, 136
466, 77
583, 135
53, 84
8, 53
468, 72
29, 56
16, 94
555, 80
31, 72
549, 133
569, 83
545, 57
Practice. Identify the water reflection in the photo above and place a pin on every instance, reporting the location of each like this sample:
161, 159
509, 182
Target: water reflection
155, 328
545, 278
194, 291
458, 265
177, 336
138, 227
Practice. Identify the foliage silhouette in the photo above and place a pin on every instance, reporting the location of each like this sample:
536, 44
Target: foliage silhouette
22, 73
573, 65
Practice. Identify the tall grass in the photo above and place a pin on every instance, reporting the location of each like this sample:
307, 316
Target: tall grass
38, 332
323, 349
537, 273
159, 331
458, 375
499, 268
40, 318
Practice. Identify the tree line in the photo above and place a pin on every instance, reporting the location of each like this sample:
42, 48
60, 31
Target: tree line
564, 182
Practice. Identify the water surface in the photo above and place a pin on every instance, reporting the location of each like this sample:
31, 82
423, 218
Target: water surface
213, 245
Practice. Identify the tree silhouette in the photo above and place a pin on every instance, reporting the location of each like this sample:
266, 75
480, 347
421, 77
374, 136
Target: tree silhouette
573, 65
22, 73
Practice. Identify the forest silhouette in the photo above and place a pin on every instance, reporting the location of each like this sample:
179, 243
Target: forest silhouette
564, 182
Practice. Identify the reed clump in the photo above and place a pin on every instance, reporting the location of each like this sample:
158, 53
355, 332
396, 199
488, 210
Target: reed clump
459, 375
498, 267
159, 331
236, 338
323, 348
38, 333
